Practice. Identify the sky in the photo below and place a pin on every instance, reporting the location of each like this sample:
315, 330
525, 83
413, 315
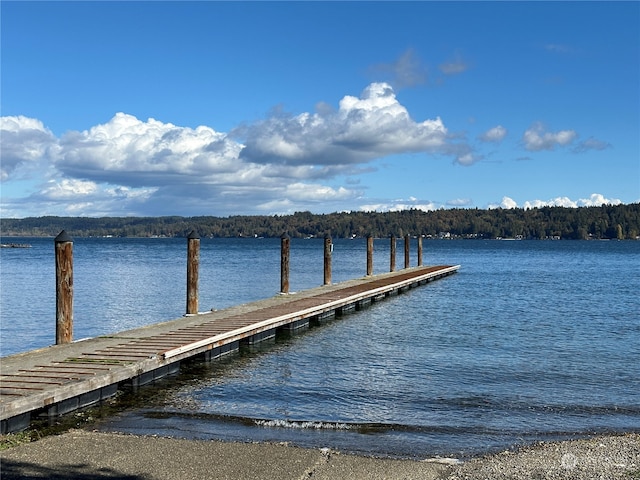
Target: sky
270, 108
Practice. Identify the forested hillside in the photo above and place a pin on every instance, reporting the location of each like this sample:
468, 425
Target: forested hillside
607, 221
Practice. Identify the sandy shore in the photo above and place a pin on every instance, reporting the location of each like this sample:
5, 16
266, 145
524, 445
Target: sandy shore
84, 455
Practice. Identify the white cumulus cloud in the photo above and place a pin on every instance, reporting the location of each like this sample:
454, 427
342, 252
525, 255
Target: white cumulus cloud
68, 189
132, 152
495, 134
594, 200
397, 205
363, 128
507, 202
305, 191
555, 202
467, 159
25, 142
537, 138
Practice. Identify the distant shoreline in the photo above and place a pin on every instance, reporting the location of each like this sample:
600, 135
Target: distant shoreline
581, 223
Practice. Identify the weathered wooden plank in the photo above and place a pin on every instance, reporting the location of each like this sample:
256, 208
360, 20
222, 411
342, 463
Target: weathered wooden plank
17, 380
72, 367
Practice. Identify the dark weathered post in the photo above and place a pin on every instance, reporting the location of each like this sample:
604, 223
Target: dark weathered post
392, 254
64, 288
407, 239
328, 249
193, 265
369, 255
285, 246
419, 250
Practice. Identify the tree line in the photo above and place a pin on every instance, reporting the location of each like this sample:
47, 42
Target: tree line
603, 222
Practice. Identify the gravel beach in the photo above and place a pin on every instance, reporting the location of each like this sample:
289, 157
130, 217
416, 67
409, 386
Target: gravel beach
83, 455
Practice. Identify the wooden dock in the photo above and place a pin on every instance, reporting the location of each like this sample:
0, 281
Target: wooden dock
59, 379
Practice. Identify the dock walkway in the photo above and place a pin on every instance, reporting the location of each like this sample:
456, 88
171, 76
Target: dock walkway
59, 379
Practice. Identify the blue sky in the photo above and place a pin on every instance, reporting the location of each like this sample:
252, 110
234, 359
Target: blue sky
231, 108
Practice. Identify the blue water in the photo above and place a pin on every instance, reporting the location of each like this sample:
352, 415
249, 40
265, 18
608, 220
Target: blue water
531, 340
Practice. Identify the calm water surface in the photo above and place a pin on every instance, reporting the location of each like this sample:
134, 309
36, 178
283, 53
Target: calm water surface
530, 341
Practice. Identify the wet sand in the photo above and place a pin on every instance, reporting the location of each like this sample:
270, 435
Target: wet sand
83, 455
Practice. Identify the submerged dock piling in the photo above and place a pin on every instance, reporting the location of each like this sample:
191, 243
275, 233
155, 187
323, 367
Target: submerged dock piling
328, 250
285, 248
64, 288
369, 255
193, 265
407, 240
392, 254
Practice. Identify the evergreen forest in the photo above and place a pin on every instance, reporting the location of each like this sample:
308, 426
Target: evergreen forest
583, 223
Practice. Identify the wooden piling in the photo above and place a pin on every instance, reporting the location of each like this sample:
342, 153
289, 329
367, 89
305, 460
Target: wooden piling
328, 250
407, 262
193, 266
392, 254
285, 247
419, 250
369, 255
64, 288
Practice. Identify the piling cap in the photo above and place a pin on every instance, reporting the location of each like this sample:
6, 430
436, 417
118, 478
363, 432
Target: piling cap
193, 235
284, 235
63, 237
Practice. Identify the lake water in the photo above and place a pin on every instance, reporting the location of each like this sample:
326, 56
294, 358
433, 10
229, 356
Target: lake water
530, 340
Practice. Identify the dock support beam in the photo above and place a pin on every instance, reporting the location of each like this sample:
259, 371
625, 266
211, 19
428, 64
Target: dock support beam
285, 247
64, 288
328, 250
407, 262
193, 264
369, 255
392, 254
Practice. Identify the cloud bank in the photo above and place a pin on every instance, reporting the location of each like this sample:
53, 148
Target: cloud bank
594, 200
281, 164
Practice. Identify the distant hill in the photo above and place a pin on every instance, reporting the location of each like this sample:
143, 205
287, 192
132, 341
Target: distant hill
604, 222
